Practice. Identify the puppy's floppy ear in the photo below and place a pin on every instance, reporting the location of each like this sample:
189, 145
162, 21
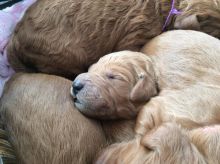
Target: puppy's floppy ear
144, 89
187, 22
171, 144
166, 137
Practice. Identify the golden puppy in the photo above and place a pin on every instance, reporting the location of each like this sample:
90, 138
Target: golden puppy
167, 144
44, 126
179, 81
64, 37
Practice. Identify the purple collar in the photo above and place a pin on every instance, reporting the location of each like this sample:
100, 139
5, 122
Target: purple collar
173, 11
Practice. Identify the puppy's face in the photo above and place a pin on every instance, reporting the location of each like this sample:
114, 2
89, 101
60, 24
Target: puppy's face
201, 15
115, 86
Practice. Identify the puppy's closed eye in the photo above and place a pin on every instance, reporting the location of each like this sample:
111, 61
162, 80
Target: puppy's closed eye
112, 76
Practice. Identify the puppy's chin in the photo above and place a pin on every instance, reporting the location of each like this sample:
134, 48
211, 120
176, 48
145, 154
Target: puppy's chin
97, 109
94, 114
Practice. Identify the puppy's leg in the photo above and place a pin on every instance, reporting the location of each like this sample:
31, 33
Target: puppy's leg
171, 109
149, 117
154, 113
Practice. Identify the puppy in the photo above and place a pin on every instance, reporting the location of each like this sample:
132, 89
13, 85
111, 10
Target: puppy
44, 127
177, 81
167, 144
65, 37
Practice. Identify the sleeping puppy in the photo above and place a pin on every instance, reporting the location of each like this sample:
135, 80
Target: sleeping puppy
44, 127
167, 144
178, 81
64, 37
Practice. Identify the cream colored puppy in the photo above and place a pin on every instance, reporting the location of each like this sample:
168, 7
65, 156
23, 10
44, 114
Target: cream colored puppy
178, 81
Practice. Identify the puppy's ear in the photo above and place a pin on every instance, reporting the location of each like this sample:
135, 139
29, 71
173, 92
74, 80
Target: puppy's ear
161, 134
169, 137
187, 22
171, 144
144, 89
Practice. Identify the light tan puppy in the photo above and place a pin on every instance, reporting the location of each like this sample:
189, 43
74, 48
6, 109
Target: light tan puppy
179, 81
44, 126
64, 37
180, 78
167, 144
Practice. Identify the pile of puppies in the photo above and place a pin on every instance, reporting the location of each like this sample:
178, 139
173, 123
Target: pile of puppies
155, 99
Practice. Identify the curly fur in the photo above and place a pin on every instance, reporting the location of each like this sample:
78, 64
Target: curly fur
65, 37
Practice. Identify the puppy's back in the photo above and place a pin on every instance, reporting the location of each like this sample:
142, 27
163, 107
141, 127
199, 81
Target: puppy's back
43, 125
64, 37
184, 56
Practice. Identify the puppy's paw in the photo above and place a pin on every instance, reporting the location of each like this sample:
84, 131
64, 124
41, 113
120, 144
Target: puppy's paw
149, 118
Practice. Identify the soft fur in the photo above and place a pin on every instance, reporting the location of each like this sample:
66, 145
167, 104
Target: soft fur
44, 126
178, 81
167, 144
64, 37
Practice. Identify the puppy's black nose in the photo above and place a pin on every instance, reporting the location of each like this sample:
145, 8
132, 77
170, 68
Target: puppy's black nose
77, 86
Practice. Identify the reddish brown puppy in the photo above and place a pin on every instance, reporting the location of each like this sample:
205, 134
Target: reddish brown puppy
64, 37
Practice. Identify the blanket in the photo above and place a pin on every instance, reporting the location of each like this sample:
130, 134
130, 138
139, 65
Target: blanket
9, 17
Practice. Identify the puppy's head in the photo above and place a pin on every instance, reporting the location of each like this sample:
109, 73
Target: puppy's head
166, 144
115, 86
201, 15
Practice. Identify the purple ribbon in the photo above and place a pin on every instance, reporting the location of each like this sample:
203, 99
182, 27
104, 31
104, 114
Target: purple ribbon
173, 11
